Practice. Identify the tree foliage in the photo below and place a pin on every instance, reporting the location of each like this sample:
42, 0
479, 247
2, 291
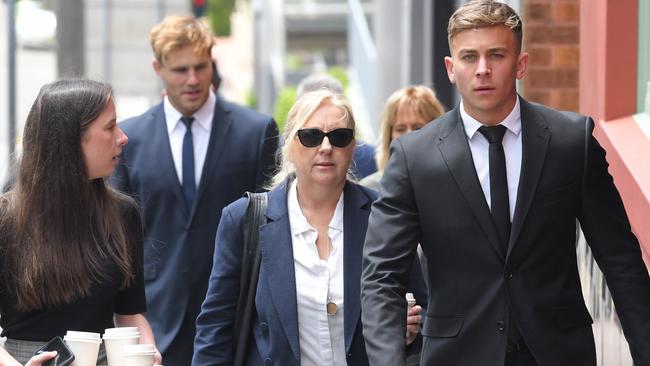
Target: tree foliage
218, 13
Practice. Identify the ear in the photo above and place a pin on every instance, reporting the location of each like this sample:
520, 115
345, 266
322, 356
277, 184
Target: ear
157, 66
449, 65
522, 65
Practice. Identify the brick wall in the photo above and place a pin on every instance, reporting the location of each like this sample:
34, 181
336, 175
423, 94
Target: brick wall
551, 37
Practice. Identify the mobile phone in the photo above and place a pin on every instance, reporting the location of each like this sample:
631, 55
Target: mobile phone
64, 355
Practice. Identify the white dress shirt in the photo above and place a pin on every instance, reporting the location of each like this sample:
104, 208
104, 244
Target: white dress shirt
479, 146
322, 339
201, 128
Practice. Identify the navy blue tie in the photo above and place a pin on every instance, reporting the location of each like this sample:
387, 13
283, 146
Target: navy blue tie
189, 184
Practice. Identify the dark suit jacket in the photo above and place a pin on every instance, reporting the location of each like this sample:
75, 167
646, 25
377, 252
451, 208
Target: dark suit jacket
431, 195
179, 240
275, 325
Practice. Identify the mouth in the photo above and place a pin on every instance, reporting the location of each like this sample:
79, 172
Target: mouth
325, 165
193, 93
484, 89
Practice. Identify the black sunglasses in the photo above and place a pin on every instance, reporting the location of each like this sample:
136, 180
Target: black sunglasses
312, 137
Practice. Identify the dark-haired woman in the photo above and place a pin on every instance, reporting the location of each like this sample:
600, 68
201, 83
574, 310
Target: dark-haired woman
307, 308
70, 246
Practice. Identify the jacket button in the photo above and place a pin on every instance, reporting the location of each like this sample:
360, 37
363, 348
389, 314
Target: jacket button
508, 275
264, 327
268, 362
349, 355
501, 327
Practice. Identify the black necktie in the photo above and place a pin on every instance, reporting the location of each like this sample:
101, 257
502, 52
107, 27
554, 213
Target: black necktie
498, 182
189, 185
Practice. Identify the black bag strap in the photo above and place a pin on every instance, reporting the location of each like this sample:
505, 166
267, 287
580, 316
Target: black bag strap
249, 273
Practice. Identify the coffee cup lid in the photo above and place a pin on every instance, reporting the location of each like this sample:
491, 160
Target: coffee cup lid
87, 336
121, 330
121, 336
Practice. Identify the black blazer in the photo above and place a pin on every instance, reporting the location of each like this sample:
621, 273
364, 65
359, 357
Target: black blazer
179, 240
431, 195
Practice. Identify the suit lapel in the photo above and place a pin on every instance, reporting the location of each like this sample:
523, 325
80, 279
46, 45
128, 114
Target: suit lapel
163, 151
455, 150
278, 267
356, 208
534, 143
221, 123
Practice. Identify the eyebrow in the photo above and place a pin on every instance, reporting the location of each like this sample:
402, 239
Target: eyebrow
180, 67
493, 49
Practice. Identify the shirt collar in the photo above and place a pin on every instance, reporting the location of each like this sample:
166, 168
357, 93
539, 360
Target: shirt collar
512, 121
298, 220
203, 117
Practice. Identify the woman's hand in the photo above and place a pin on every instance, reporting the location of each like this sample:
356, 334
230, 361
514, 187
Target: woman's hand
40, 358
157, 358
146, 334
413, 322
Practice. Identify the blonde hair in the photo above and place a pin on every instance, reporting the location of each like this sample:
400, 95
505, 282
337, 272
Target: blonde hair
176, 32
418, 98
484, 13
301, 112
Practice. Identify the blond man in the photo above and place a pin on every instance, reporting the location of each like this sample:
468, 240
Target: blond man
190, 156
492, 190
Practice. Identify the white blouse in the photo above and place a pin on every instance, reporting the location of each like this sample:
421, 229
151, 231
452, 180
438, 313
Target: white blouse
322, 339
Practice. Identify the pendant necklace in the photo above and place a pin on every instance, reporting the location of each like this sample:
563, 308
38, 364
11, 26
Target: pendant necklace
331, 305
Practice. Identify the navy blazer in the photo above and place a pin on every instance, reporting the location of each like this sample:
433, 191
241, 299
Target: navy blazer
275, 326
179, 240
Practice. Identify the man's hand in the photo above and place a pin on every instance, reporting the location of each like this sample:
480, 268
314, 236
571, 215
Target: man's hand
413, 323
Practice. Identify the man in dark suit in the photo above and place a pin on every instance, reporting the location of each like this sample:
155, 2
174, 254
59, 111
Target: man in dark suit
189, 157
496, 217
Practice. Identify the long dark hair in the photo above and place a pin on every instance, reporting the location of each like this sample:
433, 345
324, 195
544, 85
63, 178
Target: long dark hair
58, 227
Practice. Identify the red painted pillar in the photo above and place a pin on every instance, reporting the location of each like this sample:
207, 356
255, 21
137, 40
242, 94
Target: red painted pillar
608, 67
608, 58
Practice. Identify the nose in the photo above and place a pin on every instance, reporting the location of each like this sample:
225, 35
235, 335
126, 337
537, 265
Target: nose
192, 78
483, 68
325, 145
122, 138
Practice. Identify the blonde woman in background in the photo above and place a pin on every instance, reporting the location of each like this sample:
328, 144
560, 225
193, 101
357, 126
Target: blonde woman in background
407, 109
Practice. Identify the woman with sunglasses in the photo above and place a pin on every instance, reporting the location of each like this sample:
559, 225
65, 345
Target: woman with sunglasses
307, 309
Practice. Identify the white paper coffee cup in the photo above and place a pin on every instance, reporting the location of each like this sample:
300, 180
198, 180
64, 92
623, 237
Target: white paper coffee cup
139, 355
115, 344
84, 345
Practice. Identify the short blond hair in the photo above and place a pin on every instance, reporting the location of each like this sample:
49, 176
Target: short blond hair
176, 32
418, 98
301, 112
484, 13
